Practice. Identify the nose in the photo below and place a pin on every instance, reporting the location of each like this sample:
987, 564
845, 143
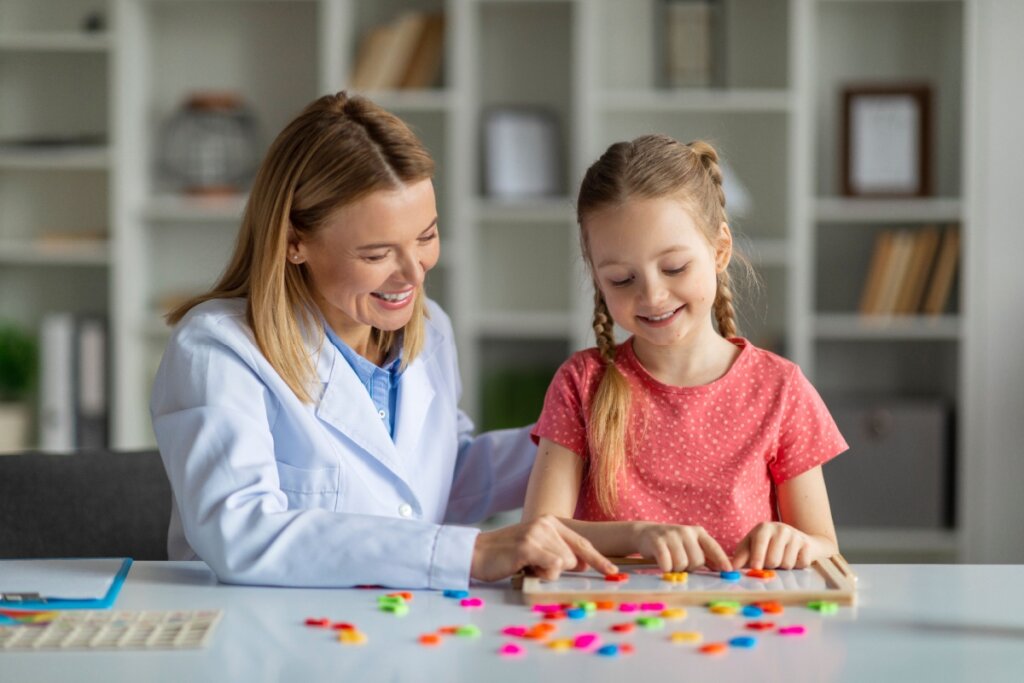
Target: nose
412, 269
652, 292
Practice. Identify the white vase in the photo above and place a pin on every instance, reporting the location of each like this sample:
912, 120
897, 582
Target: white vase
14, 419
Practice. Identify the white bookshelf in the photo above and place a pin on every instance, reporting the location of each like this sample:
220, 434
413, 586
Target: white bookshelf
510, 275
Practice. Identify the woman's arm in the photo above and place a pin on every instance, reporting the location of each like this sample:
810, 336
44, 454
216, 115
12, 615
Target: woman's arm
805, 534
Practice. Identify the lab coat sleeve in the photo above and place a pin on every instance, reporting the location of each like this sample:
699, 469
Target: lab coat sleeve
213, 407
491, 472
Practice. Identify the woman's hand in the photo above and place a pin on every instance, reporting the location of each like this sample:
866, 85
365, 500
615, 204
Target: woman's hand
776, 545
676, 547
544, 544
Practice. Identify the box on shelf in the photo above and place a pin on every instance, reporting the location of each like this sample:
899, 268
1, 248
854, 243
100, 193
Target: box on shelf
897, 473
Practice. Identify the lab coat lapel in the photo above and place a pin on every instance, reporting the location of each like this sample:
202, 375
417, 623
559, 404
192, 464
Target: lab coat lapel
415, 393
346, 405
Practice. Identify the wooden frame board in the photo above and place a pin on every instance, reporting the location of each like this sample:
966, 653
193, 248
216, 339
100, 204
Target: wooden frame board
829, 579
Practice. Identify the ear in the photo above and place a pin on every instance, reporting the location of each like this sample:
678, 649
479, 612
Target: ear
723, 248
296, 252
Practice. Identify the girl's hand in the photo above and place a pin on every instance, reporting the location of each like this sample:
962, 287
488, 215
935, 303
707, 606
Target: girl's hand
676, 547
775, 545
544, 544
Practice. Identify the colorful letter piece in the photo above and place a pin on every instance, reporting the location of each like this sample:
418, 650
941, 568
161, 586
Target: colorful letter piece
685, 637
824, 606
620, 577
714, 648
511, 650
743, 641
459, 594
730, 576
472, 603
794, 630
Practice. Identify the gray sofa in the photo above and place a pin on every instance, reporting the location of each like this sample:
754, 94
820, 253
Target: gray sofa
89, 504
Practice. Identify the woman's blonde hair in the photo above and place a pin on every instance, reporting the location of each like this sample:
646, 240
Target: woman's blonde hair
338, 150
649, 167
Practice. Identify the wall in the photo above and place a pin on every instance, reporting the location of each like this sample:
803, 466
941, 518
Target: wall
993, 514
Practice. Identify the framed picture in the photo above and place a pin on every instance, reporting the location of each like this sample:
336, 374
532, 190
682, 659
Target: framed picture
522, 153
886, 135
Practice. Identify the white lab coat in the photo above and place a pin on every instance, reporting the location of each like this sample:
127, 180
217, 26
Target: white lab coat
269, 490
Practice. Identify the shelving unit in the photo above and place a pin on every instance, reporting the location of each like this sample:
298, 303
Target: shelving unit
510, 275
867, 359
55, 162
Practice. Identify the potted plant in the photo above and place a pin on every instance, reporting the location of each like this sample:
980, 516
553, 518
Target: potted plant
18, 362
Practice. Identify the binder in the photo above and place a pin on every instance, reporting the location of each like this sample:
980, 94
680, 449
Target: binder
62, 583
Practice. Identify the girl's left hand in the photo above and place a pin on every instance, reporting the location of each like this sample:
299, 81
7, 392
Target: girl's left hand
775, 545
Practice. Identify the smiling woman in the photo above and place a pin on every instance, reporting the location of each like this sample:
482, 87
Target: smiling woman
306, 407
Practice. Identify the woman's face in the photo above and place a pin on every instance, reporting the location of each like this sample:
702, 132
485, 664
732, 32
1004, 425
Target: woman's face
367, 263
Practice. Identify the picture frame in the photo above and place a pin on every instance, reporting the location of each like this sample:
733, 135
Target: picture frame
522, 151
886, 140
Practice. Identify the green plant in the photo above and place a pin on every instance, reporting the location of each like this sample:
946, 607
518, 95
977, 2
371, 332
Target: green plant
18, 358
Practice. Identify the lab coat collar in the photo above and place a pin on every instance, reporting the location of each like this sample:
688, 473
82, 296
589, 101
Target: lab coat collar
346, 406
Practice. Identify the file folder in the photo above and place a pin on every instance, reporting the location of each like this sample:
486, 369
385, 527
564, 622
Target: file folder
62, 583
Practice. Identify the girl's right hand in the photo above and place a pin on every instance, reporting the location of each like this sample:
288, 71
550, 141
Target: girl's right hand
544, 544
678, 547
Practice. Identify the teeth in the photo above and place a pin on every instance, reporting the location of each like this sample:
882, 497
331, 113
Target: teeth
656, 318
401, 296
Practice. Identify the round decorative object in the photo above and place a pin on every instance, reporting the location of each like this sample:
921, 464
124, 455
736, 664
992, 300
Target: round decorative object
209, 145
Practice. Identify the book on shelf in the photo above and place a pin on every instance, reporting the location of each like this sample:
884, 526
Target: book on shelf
941, 285
403, 54
73, 391
691, 50
910, 271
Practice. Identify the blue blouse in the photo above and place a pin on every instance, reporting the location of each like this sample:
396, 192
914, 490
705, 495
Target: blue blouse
380, 382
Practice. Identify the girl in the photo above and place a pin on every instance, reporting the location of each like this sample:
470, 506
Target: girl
719, 444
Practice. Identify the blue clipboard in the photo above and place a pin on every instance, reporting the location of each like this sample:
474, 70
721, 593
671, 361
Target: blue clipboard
88, 573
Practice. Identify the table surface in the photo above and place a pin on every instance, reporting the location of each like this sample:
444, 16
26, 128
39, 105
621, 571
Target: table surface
911, 623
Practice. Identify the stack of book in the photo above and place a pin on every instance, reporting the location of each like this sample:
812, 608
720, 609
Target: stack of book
911, 271
73, 388
403, 54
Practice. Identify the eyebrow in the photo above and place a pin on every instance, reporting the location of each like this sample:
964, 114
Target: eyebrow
613, 262
382, 245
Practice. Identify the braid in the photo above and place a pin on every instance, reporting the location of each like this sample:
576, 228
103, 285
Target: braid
708, 158
604, 327
725, 313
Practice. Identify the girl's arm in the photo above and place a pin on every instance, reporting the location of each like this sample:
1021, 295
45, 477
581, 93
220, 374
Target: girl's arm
554, 490
805, 534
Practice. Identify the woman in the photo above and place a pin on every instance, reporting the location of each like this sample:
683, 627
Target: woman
306, 408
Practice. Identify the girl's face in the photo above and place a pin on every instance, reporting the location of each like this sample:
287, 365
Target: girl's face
368, 262
657, 271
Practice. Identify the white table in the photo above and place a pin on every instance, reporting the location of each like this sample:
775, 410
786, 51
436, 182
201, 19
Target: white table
912, 623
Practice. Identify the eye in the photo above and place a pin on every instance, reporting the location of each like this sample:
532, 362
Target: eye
621, 283
428, 238
676, 271
374, 258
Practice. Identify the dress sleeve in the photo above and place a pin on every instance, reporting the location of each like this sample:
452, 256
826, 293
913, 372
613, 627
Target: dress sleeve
808, 436
563, 419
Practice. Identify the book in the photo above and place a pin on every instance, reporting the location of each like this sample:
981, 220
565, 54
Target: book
898, 262
424, 66
689, 38
877, 270
925, 244
388, 51
73, 391
371, 55
941, 284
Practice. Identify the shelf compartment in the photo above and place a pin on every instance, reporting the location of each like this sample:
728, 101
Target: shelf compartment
851, 326
179, 208
515, 374
526, 210
39, 41
859, 544
755, 33
752, 144
526, 267
698, 100
891, 42
887, 366
526, 324
831, 210
74, 158
17, 252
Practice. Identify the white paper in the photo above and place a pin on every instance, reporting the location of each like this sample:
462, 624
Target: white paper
884, 144
75, 579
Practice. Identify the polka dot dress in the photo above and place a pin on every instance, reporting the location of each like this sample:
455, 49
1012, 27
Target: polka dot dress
708, 455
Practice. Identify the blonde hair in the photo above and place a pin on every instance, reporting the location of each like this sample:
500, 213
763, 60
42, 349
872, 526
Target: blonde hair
340, 149
649, 167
